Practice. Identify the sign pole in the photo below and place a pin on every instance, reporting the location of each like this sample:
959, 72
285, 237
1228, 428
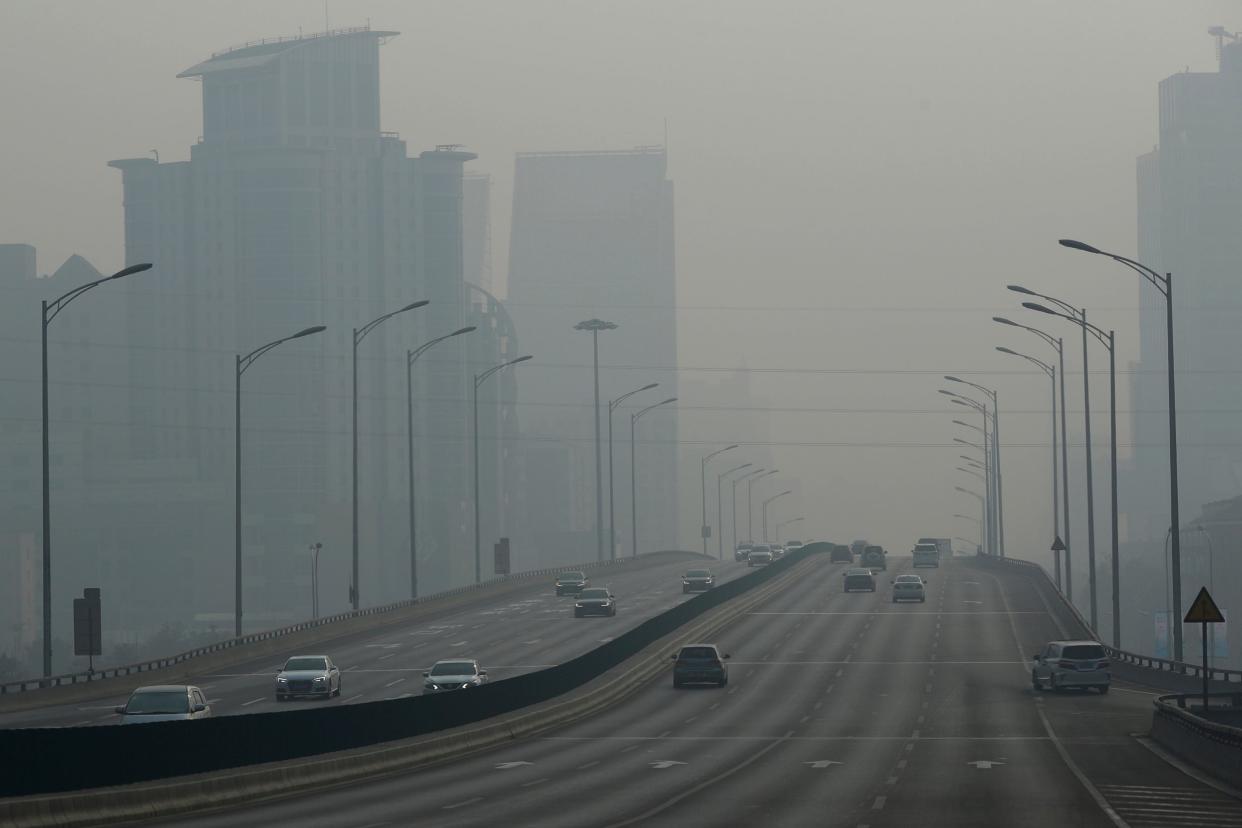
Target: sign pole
1205, 668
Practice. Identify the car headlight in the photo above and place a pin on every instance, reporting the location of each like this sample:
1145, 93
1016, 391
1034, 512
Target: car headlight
282, 680
432, 686
687, 583
321, 678
579, 606
467, 685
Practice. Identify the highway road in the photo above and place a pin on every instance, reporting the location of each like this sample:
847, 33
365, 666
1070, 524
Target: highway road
532, 628
842, 710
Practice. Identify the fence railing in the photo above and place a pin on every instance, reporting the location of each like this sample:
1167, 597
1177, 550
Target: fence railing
1137, 659
28, 685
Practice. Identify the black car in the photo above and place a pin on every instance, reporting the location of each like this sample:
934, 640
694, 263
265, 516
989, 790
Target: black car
859, 579
742, 552
700, 664
841, 554
697, 580
595, 601
571, 583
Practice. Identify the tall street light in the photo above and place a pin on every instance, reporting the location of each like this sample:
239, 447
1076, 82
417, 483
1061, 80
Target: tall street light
612, 514
360, 334
704, 529
747, 477
634, 418
1051, 371
785, 523
998, 478
243, 363
1108, 340
988, 449
50, 309
764, 510
474, 404
410, 357
595, 326
720, 507
750, 503
1081, 314
985, 507
1059, 346
1164, 284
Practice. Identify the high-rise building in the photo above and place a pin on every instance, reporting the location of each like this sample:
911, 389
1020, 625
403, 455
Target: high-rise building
295, 209
592, 236
476, 230
1189, 209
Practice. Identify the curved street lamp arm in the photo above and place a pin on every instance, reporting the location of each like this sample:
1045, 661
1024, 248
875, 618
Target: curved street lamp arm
985, 390
720, 451
1049, 338
643, 411
1047, 369
967, 443
975, 404
59, 304
480, 378
360, 333
244, 362
612, 406
417, 352
968, 425
723, 475
1065, 306
1094, 330
1161, 283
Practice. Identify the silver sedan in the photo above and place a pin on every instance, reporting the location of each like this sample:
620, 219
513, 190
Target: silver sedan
308, 676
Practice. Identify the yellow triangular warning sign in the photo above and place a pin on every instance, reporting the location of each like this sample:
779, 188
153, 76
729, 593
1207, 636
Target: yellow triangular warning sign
1204, 610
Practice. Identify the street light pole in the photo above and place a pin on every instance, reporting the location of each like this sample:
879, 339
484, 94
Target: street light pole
634, 418
410, 357
314, 550
1051, 371
996, 461
50, 310
764, 510
474, 404
785, 523
242, 364
595, 326
1079, 317
359, 335
733, 504
750, 504
612, 515
990, 467
704, 529
1164, 284
720, 507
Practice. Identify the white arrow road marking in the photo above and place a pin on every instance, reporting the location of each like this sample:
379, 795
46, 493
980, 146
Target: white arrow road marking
822, 763
507, 765
664, 763
984, 764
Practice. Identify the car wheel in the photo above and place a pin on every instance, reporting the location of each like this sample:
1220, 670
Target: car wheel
1052, 683
281, 697
1103, 688
1035, 685
613, 612
923, 600
723, 681
676, 684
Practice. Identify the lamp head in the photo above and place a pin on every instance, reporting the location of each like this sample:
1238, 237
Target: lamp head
308, 331
1020, 289
1077, 245
1035, 306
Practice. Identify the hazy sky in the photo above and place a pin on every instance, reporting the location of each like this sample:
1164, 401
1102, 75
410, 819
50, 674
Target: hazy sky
839, 166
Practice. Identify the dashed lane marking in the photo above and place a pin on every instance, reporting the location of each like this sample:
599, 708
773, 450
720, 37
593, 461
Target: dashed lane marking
878, 805
396, 681
254, 701
463, 803
534, 782
588, 765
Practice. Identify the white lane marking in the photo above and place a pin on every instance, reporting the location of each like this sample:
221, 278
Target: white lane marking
901, 763
385, 658
82, 723
102, 706
395, 681
878, 805
823, 763
353, 698
463, 803
533, 641
892, 780
459, 643
508, 765
984, 764
535, 782
1087, 784
254, 701
714, 706
588, 765
661, 764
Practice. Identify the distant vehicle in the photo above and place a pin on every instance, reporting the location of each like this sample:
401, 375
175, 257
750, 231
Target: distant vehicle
164, 703
453, 674
697, 580
571, 583
595, 601
873, 557
792, 545
778, 551
926, 554
308, 676
760, 555
840, 554
742, 551
700, 664
1064, 664
909, 588
945, 545
858, 547
859, 579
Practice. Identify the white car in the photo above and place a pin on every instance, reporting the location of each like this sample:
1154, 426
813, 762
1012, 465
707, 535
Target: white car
760, 555
1064, 664
453, 674
308, 676
909, 588
164, 703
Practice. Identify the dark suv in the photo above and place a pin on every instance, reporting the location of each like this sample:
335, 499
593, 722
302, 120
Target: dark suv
700, 664
841, 554
571, 583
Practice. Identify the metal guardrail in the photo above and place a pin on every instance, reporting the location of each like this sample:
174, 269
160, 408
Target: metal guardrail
29, 685
1137, 659
1173, 708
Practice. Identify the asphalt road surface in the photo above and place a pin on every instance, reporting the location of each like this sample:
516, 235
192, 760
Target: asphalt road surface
842, 710
529, 630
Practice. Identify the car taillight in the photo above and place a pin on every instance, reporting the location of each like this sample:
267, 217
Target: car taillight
1103, 664
1066, 665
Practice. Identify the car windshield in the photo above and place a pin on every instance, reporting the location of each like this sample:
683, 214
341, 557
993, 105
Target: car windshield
698, 573
909, 579
453, 668
1083, 652
594, 593
572, 576
696, 653
859, 572
158, 701
306, 663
